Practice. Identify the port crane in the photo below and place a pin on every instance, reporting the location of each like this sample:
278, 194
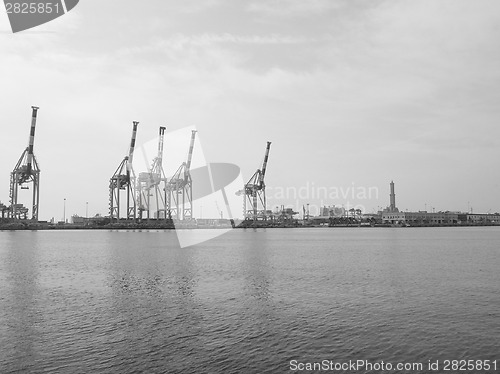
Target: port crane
152, 180
124, 179
255, 192
180, 188
26, 171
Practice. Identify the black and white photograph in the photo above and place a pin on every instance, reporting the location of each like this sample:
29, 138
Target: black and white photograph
250, 186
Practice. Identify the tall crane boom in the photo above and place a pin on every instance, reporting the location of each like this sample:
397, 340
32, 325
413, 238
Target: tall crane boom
32, 139
191, 146
132, 146
264, 165
159, 157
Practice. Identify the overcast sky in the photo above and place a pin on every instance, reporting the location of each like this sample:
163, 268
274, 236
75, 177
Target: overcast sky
351, 93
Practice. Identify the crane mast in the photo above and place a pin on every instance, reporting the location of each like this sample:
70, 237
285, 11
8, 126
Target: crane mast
124, 179
26, 171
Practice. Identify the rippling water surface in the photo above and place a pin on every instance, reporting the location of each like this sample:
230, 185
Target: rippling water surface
247, 302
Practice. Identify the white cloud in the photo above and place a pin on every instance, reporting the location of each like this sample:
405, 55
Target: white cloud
293, 8
396, 80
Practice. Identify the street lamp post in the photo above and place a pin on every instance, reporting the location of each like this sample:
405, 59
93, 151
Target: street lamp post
64, 211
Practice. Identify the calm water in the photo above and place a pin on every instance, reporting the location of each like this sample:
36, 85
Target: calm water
247, 302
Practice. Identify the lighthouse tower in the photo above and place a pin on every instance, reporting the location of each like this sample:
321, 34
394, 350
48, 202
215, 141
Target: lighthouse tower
392, 206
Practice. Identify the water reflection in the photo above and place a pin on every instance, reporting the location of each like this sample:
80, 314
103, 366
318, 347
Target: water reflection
154, 294
393, 268
20, 313
248, 302
256, 267
257, 271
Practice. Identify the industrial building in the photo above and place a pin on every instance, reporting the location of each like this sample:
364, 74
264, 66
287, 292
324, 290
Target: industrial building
392, 215
440, 218
485, 218
421, 218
